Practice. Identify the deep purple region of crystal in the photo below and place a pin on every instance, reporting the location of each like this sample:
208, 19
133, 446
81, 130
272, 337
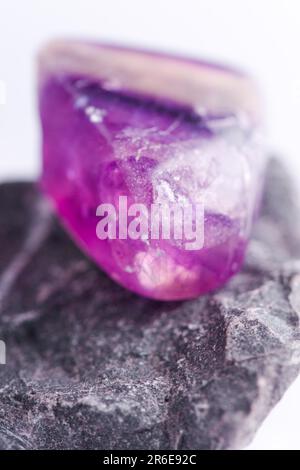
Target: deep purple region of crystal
101, 142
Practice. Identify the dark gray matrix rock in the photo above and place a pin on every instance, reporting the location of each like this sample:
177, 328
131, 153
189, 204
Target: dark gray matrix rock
92, 366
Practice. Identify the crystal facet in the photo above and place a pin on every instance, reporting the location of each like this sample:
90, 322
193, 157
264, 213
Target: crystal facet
158, 131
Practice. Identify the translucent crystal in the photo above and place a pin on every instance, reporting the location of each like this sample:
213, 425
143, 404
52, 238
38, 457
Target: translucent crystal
160, 131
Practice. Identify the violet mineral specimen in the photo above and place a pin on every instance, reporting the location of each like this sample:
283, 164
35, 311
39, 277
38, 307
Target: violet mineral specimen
126, 131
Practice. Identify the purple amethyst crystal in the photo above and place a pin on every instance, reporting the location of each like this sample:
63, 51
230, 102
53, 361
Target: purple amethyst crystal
129, 135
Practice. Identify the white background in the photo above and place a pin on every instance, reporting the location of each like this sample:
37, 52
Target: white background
261, 36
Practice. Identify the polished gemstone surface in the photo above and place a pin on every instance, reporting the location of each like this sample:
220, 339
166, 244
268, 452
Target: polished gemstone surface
123, 128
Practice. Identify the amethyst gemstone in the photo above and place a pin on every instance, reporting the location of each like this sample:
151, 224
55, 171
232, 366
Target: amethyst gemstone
158, 131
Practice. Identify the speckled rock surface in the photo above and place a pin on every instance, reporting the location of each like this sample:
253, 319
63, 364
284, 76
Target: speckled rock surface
92, 366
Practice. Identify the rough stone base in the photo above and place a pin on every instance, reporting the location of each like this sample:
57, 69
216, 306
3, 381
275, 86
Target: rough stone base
92, 366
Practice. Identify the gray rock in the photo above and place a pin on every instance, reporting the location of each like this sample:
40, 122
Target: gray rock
92, 366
